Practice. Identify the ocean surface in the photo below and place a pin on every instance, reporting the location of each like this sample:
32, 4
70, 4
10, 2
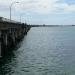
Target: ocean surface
43, 51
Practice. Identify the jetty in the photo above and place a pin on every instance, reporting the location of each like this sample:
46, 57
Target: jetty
11, 32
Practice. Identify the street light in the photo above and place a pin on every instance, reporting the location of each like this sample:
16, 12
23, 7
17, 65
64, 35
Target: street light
20, 17
11, 7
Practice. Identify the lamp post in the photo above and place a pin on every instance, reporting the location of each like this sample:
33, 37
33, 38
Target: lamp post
11, 7
20, 18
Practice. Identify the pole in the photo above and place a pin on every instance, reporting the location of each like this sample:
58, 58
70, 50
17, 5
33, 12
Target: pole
20, 17
11, 7
10, 14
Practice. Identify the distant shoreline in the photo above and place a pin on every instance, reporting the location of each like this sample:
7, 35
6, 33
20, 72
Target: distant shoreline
50, 25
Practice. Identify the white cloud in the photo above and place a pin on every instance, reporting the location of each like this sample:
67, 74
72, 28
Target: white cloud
70, 8
45, 6
38, 6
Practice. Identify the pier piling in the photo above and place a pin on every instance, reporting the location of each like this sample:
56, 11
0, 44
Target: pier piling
10, 34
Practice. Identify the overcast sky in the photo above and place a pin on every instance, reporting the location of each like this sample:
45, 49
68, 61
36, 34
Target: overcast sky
40, 11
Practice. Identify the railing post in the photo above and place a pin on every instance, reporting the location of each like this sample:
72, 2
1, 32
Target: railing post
0, 50
6, 40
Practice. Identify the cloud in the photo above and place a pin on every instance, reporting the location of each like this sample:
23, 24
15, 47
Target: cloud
66, 5
70, 8
51, 8
39, 6
46, 6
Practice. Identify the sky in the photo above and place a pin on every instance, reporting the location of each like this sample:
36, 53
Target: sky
51, 12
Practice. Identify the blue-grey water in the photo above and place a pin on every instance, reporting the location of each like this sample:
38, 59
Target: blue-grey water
43, 51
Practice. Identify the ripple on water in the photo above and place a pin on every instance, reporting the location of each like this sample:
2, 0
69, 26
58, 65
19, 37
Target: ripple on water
44, 51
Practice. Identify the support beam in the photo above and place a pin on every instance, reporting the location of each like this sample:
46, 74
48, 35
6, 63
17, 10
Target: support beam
0, 50
13, 37
6, 40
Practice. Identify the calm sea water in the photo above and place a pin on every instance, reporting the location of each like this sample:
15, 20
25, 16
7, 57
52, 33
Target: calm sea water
44, 51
